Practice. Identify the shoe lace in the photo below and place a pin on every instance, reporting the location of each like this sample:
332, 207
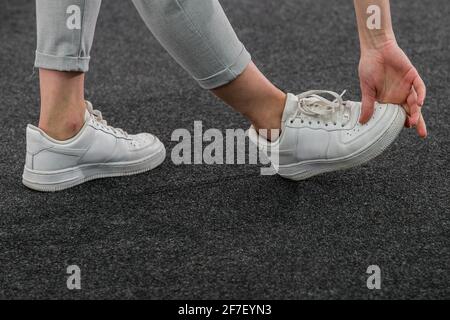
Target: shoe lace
97, 115
313, 104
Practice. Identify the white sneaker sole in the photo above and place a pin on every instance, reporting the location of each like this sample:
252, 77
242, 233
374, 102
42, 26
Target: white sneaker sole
307, 169
52, 181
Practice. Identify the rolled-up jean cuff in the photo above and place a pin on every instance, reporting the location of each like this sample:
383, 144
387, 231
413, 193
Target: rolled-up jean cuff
229, 74
60, 63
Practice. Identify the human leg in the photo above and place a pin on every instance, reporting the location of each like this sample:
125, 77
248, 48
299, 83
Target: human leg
73, 143
200, 38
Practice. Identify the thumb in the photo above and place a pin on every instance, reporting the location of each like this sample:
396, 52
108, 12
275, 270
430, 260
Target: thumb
367, 106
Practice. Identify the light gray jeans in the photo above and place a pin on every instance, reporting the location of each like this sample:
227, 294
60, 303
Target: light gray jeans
196, 33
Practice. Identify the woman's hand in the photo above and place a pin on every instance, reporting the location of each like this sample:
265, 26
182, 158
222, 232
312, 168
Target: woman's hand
388, 76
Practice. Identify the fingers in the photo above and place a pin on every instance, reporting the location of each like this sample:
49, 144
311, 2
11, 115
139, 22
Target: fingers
415, 102
421, 127
420, 88
407, 120
368, 105
413, 108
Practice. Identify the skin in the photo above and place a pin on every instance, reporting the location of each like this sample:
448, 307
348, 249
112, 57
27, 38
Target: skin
256, 98
62, 103
386, 75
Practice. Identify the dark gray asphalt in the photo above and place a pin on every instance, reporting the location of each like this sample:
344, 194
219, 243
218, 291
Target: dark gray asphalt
224, 231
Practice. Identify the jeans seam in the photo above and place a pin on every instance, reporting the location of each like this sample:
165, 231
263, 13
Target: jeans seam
62, 63
226, 68
62, 57
82, 29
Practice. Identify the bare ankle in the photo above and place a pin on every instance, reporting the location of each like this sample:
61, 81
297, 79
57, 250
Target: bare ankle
269, 134
61, 129
268, 120
256, 98
62, 103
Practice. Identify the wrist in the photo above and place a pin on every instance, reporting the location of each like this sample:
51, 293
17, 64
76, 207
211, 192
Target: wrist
377, 40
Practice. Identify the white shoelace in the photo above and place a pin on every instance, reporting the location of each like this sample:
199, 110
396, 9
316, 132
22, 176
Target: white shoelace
312, 104
99, 118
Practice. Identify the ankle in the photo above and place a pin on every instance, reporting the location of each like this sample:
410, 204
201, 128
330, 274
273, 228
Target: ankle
267, 122
61, 129
271, 134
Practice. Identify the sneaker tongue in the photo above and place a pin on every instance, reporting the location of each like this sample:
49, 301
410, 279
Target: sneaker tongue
290, 107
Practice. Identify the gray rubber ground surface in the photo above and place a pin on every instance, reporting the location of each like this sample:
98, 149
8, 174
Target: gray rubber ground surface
224, 231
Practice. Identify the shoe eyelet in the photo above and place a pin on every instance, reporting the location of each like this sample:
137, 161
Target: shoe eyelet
310, 122
318, 122
302, 121
326, 124
335, 123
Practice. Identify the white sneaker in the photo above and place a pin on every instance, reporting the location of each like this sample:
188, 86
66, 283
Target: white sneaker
97, 151
319, 135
